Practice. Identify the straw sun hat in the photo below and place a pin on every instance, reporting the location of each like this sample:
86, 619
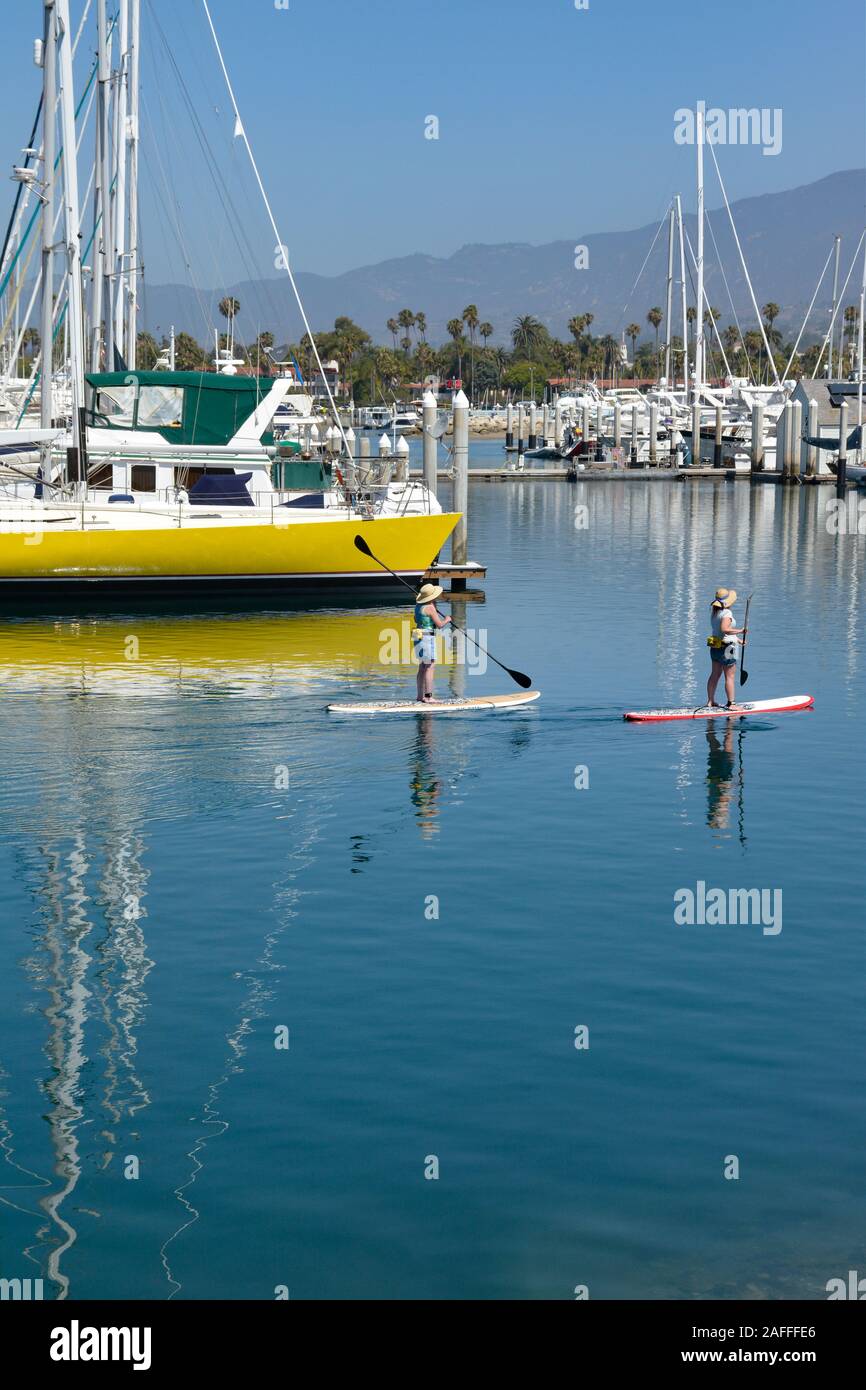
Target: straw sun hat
428, 592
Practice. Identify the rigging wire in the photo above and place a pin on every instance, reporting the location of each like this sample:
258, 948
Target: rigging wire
241, 131
234, 222
646, 258
728, 288
770, 357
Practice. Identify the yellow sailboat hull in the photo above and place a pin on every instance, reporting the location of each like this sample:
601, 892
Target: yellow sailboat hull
235, 556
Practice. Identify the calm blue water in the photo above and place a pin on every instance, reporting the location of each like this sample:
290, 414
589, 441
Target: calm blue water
168, 903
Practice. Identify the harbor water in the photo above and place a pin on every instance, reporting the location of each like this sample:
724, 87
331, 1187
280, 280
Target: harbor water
401, 1008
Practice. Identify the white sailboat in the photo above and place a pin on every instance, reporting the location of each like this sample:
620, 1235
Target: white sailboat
167, 480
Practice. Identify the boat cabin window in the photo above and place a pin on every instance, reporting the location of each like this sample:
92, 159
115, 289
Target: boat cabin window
143, 477
188, 477
100, 474
115, 403
159, 406
132, 406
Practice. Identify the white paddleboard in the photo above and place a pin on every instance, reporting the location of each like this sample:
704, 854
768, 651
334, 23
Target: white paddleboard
780, 706
438, 706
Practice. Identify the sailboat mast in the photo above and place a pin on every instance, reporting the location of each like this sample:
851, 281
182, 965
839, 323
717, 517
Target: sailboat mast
49, 140
860, 352
72, 226
105, 45
120, 138
132, 233
683, 302
838, 240
100, 190
699, 321
669, 300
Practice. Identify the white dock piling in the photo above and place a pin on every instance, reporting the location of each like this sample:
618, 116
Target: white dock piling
811, 451
431, 444
509, 426
634, 439
520, 445
401, 472
796, 438
460, 538
654, 436
545, 424
364, 447
617, 424
717, 443
599, 435
557, 426
384, 446
696, 435
842, 464
758, 438
350, 441
533, 426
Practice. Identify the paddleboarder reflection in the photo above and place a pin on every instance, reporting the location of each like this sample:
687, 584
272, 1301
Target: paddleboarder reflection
426, 787
724, 779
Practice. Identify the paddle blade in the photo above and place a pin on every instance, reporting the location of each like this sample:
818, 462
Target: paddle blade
361, 544
744, 676
519, 677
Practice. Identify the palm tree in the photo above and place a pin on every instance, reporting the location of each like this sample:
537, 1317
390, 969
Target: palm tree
230, 308
610, 348
711, 316
655, 317
632, 330
526, 334
731, 342
851, 318
470, 318
406, 320
421, 325
500, 362
753, 342
771, 312
30, 339
393, 328
486, 331
454, 328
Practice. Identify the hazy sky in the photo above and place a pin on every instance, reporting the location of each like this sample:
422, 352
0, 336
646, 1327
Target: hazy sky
553, 121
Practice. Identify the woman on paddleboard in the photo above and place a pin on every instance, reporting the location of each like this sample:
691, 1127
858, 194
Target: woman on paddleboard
724, 644
428, 620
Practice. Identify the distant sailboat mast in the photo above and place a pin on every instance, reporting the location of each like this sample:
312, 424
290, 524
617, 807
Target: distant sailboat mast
699, 293
669, 298
683, 296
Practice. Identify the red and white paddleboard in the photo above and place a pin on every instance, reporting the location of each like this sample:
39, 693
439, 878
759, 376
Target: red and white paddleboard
780, 706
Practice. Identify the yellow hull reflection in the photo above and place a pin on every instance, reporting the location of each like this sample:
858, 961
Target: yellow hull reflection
243, 654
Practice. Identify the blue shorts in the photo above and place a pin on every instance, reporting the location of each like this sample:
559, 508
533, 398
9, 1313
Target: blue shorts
718, 658
425, 648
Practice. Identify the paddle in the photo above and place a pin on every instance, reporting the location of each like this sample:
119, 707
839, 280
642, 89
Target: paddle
744, 675
518, 676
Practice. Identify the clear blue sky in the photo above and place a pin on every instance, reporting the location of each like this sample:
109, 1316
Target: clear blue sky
553, 122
